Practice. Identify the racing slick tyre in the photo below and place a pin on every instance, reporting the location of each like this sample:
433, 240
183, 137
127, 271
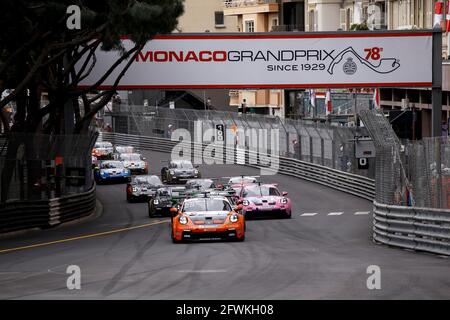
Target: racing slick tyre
176, 241
151, 212
288, 215
173, 238
130, 199
163, 175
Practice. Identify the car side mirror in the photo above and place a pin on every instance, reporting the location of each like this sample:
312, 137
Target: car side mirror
240, 202
173, 211
284, 193
238, 207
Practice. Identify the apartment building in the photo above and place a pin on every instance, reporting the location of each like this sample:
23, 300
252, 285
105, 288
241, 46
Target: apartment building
206, 16
413, 103
331, 15
256, 16
198, 16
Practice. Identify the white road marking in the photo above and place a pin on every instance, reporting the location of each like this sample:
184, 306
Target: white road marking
308, 214
335, 213
203, 271
361, 212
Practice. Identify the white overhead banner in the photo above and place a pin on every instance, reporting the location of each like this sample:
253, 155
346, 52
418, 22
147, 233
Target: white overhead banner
273, 60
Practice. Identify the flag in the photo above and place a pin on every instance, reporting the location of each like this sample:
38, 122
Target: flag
312, 102
312, 97
376, 99
328, 102
438, 14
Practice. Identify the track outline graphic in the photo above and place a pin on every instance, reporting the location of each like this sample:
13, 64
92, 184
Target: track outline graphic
395, 64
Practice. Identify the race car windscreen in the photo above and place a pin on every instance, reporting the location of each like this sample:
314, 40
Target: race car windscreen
130, 157
260, 191
151, 180
182, 165
238, 180
202, 184
207, 204
124, 149
103, 145
112, 165
163, 193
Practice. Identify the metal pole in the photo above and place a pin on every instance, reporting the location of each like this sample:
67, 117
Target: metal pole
445, 3
436, 99
436, 93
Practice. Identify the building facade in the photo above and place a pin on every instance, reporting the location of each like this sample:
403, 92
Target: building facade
255, 16
317, 15
205, 16
332, 15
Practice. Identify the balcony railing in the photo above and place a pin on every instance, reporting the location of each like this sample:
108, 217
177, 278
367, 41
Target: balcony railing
245, 3
288, 27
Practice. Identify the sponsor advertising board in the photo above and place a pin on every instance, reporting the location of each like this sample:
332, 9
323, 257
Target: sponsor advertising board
289, 60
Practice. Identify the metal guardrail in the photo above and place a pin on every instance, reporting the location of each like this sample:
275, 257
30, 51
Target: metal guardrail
421, 229
346, 182
22, 215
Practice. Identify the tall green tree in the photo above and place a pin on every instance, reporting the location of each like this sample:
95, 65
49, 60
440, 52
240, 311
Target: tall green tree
38, 53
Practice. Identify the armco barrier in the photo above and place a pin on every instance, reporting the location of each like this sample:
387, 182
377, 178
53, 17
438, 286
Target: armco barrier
15, 216
350, 183
421, 229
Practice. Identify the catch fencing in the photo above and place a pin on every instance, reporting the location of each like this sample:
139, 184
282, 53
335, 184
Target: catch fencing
346, 182
46, 180
324, 144
411, 207
409, 173
41, 167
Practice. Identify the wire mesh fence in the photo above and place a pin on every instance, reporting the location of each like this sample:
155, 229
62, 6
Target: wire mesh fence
42, 167
320, 143
409, 173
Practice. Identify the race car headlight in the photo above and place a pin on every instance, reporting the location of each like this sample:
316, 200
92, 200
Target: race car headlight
171, 172
156, 201
196, 171
135, 189
234, 218
245, 202
183, 220
284, 200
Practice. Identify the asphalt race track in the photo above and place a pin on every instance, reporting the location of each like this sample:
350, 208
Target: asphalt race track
321, 253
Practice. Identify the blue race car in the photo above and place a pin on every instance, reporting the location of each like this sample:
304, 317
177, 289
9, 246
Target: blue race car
111, 171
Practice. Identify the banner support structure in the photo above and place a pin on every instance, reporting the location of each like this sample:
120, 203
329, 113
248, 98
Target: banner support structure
436, 111
436, 91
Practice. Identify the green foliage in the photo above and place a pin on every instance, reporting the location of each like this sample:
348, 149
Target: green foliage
359, 26
36, 46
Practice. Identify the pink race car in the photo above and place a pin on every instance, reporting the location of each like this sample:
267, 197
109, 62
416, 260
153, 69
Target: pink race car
262, 200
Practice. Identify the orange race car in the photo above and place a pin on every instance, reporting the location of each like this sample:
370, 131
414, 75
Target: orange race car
103, 150
207, 217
